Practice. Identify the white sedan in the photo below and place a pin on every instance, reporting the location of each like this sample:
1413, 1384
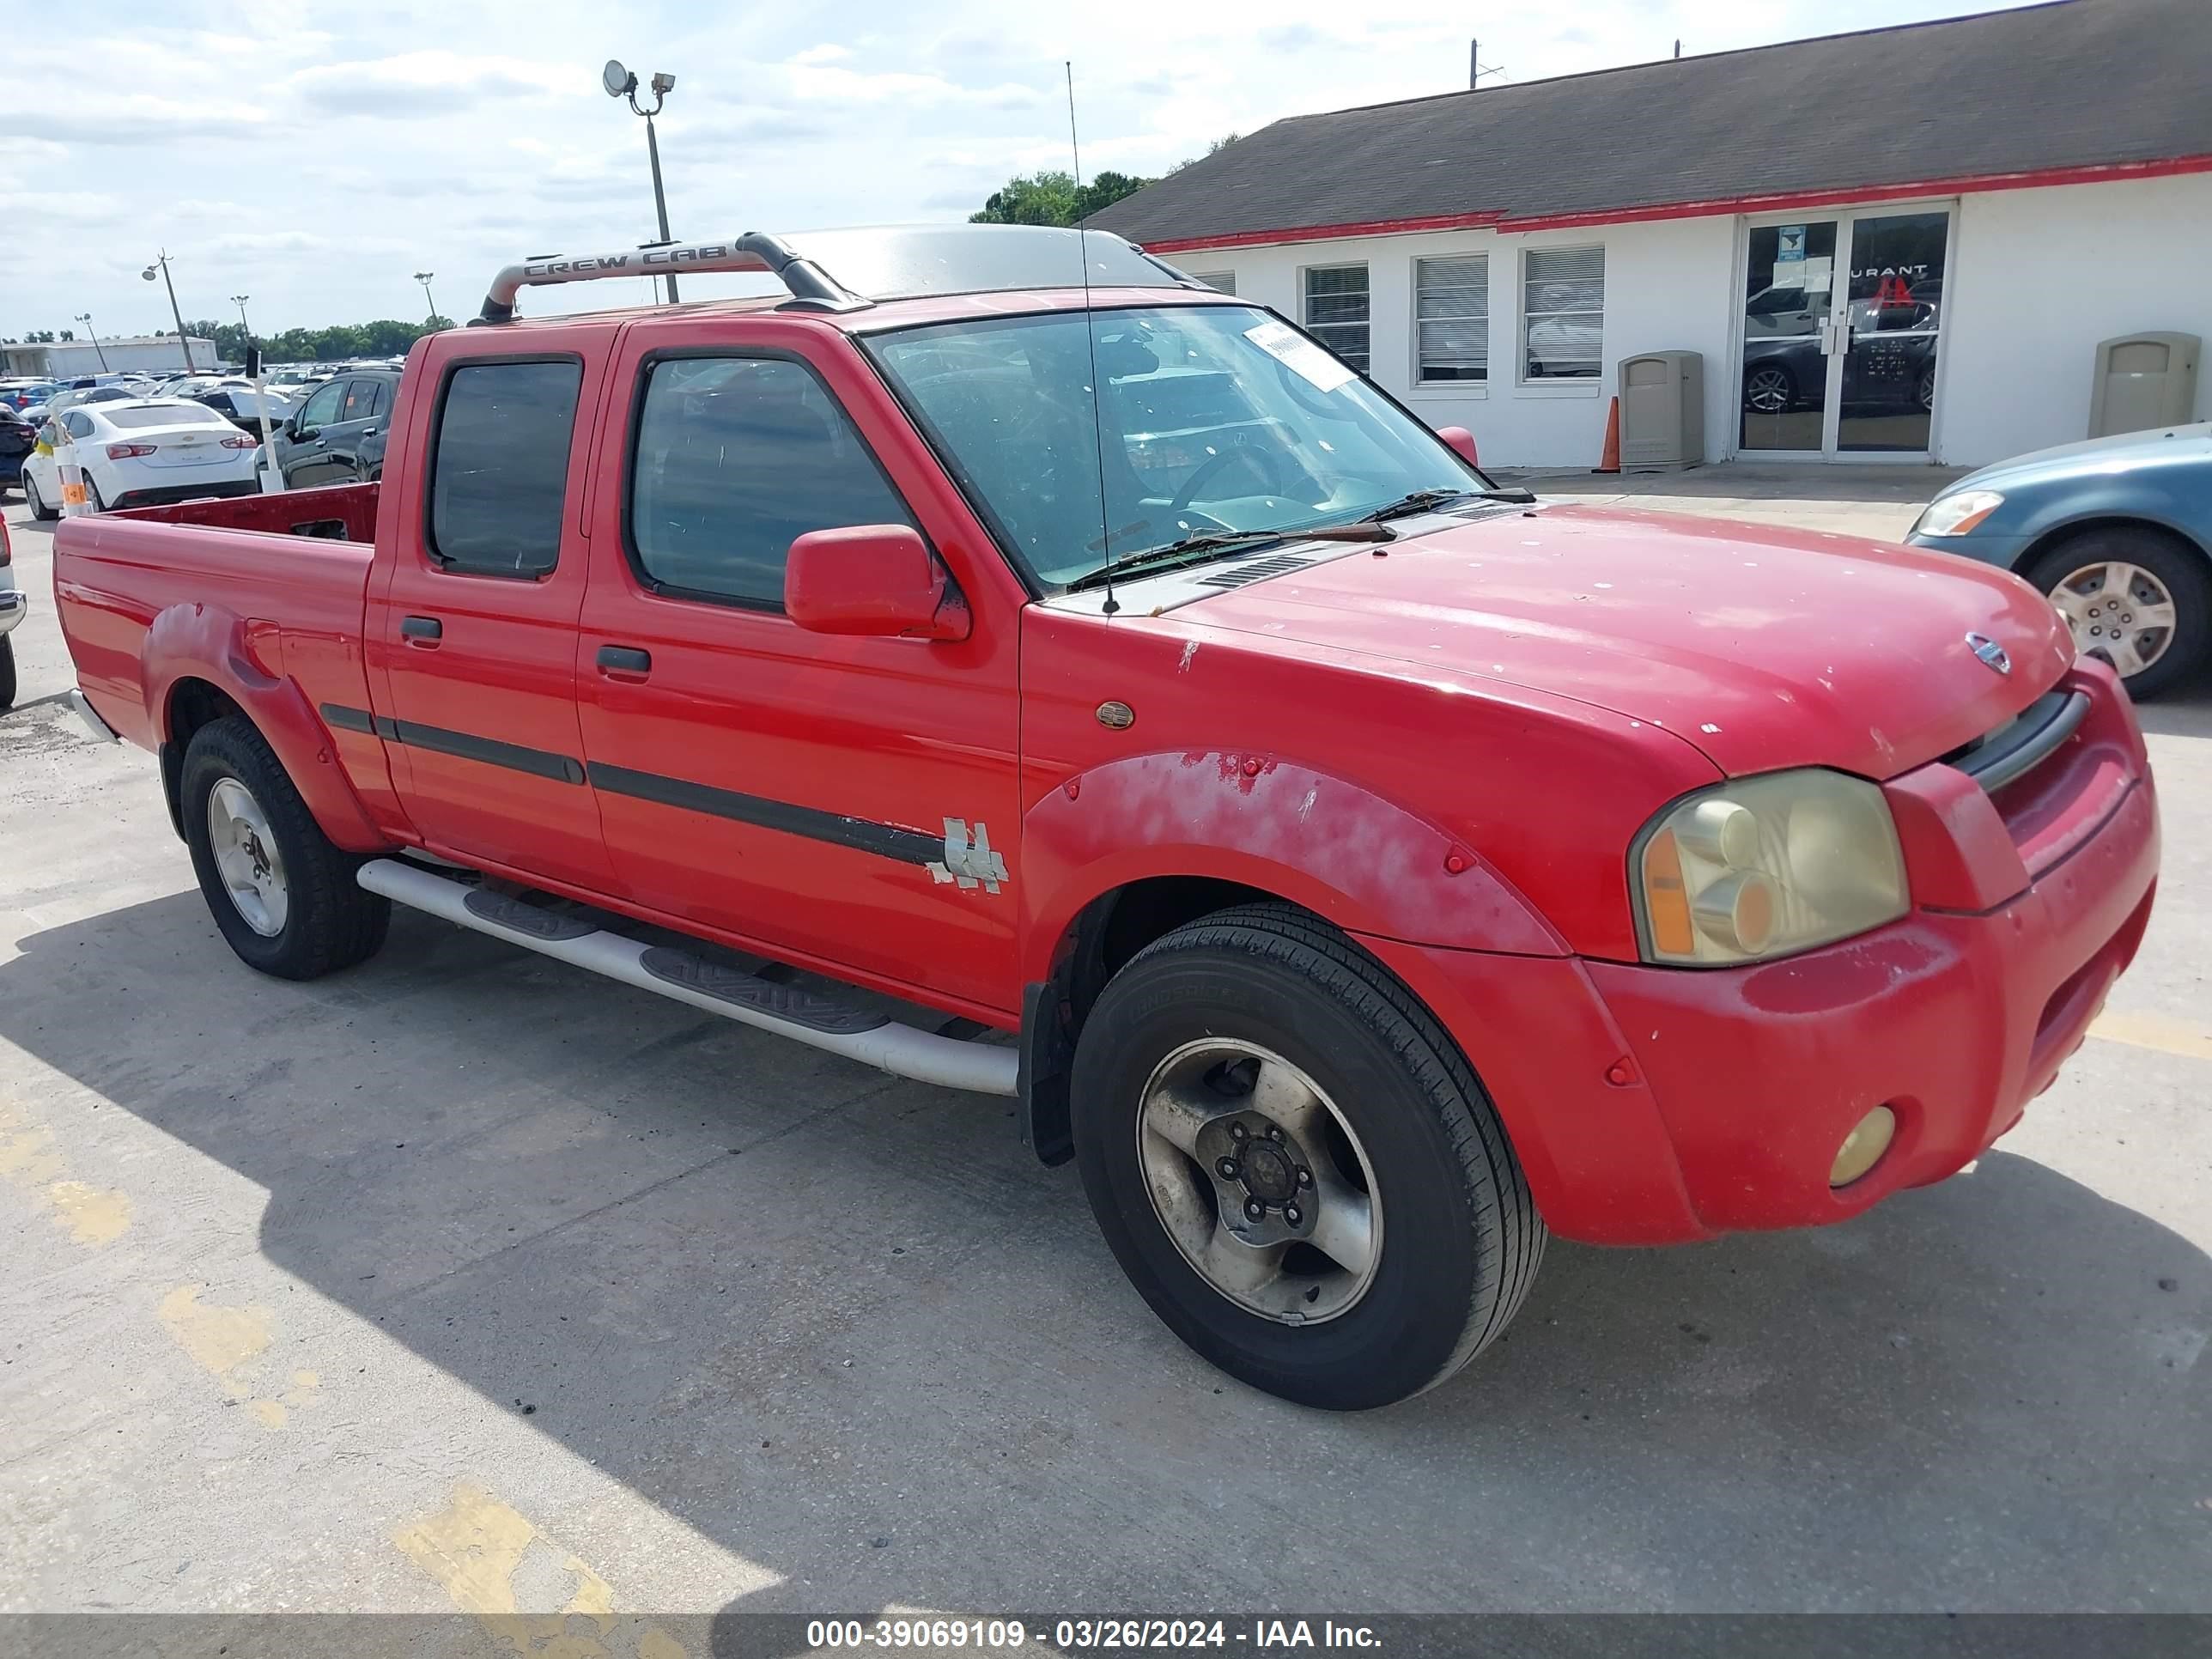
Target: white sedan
144, 452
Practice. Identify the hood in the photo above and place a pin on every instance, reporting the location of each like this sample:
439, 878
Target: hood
2121, 452
1763, 647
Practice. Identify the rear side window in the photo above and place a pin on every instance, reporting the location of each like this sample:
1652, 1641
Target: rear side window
736, 459
499, 466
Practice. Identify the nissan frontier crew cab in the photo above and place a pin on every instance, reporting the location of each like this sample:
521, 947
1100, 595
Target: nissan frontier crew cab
1363, 871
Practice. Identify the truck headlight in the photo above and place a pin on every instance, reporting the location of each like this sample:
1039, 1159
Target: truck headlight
1764, 865
1954, 515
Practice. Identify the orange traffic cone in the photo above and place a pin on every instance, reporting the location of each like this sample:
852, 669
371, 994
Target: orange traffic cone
1610, 460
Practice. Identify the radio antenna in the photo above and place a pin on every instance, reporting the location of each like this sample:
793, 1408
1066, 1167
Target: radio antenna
1090, 340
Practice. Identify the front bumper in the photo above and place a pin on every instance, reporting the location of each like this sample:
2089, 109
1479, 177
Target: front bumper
1654, 1105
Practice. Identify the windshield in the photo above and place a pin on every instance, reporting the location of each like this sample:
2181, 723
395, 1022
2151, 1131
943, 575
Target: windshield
1209, 418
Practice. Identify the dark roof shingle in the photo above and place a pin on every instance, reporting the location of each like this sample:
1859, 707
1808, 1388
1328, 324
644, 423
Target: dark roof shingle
2076, 83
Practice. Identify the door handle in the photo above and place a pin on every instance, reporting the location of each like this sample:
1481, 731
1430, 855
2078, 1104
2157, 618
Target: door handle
427, 628
624, 660
368, 431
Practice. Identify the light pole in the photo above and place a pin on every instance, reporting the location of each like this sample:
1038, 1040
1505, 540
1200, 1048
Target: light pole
240, 300
423, 278
184, 341
85, 317
622, 83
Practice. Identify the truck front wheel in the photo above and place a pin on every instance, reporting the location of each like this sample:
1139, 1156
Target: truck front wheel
284, 896
1295, 1165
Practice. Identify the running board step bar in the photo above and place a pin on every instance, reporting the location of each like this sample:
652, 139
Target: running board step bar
788, 1010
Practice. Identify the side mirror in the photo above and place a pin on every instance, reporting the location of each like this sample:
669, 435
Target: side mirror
1460, 442
871, 578
299, 435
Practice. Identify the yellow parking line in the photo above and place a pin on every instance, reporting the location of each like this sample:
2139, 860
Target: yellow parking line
2159, 1031
229, 1344
477, 1545
30, 1160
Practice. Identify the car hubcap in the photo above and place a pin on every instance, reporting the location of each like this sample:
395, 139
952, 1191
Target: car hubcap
1768, 392
2119, 612
246, 857
1260, 1180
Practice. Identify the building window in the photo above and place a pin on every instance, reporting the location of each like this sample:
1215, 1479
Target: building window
1563, 313
1336, 310
1451, 309
1224, 281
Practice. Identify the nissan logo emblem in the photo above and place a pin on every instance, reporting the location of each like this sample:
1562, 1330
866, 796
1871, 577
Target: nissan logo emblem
1990, 652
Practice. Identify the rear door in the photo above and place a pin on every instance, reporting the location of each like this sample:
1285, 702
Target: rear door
472, 633
789, 789
361, 418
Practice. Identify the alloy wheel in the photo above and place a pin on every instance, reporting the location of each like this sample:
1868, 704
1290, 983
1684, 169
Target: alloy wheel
246, 857
1260, 1180
1767, 390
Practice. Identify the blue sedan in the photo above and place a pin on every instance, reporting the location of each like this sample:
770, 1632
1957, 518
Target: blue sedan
2118, 531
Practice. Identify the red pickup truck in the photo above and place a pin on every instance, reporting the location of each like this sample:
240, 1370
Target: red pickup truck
1363, 870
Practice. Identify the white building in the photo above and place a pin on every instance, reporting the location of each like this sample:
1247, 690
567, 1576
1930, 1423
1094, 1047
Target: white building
68, 359
1899, 244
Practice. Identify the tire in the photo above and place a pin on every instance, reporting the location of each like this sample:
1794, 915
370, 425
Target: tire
7, 672
326, 921
2067, 571
92, 495
1772, 383
39, 510
1459, 1236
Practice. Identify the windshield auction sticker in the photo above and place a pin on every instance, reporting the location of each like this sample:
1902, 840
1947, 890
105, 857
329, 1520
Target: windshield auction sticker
1300, 355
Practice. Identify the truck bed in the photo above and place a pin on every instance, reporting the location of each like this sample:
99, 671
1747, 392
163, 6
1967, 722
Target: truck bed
283, 578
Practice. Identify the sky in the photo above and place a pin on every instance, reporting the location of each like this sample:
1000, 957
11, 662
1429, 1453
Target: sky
313, 158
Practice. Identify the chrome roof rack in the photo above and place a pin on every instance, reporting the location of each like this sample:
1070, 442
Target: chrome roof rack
900, 262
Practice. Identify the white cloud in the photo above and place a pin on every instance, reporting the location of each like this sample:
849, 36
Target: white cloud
318, 164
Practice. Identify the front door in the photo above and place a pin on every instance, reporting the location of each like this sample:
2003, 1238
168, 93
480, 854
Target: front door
1841, 325
306, 459
789, 789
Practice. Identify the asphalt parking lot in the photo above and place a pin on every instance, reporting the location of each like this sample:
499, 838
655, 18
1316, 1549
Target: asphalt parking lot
465, 1280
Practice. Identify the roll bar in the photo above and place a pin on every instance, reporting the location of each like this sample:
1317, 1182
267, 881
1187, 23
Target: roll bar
811, 287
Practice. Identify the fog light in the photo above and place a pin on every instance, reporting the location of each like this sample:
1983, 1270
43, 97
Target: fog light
1863, 1148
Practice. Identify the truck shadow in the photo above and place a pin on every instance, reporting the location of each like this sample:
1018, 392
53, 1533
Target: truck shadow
845, 1328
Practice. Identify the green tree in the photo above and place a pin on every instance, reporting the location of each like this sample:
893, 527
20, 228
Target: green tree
1051, 197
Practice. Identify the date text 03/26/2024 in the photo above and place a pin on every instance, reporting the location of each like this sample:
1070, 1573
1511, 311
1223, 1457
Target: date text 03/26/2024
1086, 1635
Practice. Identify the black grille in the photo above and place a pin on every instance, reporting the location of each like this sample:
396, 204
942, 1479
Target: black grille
2023, 743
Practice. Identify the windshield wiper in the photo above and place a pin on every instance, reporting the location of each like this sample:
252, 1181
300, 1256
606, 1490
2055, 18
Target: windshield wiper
1424, 500
1192, 549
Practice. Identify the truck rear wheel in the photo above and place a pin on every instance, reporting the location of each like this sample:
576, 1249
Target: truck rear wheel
1295, 1165
281, 895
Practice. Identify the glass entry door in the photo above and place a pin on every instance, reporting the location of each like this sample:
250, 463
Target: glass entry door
1841, 320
